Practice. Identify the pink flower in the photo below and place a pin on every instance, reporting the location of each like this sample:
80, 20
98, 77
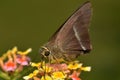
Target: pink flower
75, 76
22, 60
10, 66
58, 67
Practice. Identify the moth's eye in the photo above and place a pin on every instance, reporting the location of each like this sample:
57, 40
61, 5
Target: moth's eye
47, 53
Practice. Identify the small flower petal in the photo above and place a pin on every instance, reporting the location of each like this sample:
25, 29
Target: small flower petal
47, 69
35, 64
23, 60
29, 76
74, 65
35, 72
75, 76
14, 50
86, 68
58, 75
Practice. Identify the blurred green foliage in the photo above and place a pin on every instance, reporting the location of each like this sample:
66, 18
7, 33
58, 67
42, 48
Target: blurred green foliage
30, 23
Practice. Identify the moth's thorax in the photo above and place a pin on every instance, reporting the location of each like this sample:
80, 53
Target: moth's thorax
55, 51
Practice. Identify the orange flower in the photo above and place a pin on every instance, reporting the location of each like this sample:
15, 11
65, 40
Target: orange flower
75, 76
10, 66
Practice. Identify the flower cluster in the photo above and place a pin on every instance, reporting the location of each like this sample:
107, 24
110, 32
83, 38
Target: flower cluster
12, 63
57, 71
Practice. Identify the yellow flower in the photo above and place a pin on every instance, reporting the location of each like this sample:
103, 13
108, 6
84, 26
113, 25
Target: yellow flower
35, 72
14, 50
86, 68
35, 64
47, 69
46, 77
58, 75
74, 65
29, 76
41, 66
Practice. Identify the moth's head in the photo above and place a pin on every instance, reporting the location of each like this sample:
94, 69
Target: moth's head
44, 52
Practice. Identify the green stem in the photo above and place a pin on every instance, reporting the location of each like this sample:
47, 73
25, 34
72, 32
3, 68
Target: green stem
4, 76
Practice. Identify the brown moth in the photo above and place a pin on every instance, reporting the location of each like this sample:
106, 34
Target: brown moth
72, 38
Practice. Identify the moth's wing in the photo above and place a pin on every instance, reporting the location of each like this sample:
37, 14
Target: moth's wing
73, 36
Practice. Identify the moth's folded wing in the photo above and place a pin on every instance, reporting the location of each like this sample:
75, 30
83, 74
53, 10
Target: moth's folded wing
73, 36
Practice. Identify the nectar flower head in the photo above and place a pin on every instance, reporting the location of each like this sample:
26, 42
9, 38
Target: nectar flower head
12, 64
57, 71
16, 60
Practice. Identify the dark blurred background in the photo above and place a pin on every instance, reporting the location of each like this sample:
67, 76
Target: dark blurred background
30, 23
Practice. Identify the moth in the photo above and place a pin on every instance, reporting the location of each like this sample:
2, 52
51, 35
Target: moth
72, 38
